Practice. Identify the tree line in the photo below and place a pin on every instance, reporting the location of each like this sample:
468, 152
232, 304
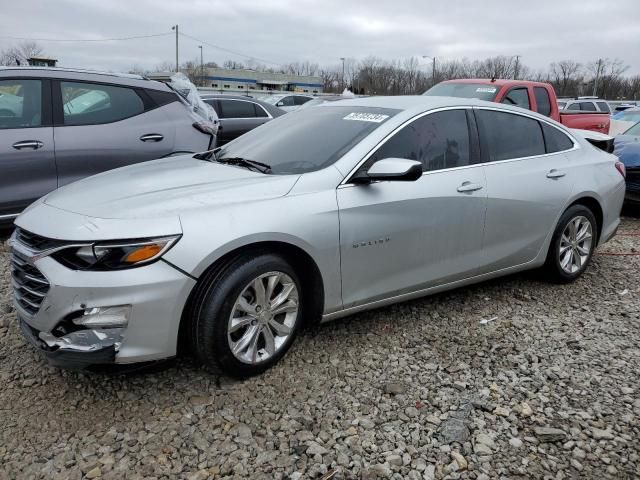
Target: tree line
376, 76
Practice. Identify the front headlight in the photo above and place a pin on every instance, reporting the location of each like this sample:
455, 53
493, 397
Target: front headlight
115, 255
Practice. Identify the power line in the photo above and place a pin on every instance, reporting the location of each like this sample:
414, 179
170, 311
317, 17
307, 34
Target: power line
230, 51
86, 39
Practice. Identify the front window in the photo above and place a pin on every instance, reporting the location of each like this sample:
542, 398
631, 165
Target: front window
92, 104
518, 97
308, 140
20, 103
481, 91
272, 99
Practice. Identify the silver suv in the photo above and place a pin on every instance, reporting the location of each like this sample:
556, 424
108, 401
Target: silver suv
59, 125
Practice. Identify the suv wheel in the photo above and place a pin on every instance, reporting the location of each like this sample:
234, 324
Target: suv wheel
248, 315
572, 245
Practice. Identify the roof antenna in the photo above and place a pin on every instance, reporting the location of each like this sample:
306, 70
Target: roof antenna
493, 79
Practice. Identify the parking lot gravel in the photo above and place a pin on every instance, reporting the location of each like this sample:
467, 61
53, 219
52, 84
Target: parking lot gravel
514, 379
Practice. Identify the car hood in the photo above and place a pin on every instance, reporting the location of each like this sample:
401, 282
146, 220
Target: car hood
166, 186
627, 148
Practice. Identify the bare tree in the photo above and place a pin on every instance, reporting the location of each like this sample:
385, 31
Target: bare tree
18, 54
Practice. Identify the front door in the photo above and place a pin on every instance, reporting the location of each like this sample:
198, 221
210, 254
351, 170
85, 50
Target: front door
238, 117
27, 161
399, 237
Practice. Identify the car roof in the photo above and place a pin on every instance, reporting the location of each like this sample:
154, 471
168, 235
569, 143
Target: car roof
128, 79
500, 82
272, 109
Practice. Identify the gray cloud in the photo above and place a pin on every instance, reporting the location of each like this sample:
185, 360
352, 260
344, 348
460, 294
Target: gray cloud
285, 30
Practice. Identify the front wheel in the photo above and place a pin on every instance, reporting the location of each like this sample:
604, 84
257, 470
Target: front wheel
572, 245
247, 317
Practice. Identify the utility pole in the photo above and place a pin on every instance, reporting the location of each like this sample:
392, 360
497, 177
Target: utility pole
595, 84
201, 67
433, 68
342, 58
175, 27
516, 68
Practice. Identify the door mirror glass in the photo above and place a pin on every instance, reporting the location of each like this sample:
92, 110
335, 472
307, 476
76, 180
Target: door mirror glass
391, 169
280, 104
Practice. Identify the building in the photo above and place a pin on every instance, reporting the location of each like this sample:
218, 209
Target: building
42, 62
252, 80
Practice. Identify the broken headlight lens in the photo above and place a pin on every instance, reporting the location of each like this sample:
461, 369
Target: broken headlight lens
115, 255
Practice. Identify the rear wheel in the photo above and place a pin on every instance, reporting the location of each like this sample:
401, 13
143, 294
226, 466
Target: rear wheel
572, 245
248, 315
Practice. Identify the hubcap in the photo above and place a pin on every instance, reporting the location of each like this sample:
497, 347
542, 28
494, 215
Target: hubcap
575, 244
263, 317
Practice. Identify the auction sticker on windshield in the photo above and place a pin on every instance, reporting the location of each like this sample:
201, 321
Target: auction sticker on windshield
367, 117
486, 90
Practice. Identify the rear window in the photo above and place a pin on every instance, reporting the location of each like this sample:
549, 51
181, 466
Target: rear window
481, 91
542, 101
510, 135
307, 140
236, 109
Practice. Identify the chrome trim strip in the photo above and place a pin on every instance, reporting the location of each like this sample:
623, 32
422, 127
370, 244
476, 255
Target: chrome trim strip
9, 215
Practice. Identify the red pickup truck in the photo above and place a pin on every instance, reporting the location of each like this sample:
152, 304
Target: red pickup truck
536, 96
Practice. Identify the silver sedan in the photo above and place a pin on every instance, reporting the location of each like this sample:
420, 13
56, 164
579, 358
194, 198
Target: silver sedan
316, 215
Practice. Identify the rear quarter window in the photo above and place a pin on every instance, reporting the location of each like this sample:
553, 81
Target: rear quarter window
555, 140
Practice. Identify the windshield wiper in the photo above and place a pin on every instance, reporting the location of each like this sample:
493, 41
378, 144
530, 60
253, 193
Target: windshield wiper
245, 162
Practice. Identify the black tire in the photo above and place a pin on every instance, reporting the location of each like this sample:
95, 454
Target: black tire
212, 307
552, 269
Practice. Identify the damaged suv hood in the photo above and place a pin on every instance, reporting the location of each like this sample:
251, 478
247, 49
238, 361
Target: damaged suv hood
166, 186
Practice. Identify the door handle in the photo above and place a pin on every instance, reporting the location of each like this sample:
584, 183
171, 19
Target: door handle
152, 137
553, 173
468, 187
32, 144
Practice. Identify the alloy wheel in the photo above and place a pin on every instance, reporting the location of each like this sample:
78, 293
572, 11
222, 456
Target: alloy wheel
263, 317
575, 244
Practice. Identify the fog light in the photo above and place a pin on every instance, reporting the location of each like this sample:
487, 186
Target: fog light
104, 317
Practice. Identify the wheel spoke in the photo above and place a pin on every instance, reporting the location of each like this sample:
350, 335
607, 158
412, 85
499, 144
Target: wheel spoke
283, 295
272, 282
240, 322
253, 346
244, 306
564, 248
258, 287
582, 250
269, 341
572, 229
566, 261
280, 328
289, 306
584, 232
577, 258
247, 338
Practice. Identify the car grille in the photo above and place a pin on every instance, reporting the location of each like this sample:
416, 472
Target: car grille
36, 242
29, 285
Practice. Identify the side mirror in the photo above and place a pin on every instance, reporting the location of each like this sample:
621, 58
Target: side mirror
280, 104
391, 169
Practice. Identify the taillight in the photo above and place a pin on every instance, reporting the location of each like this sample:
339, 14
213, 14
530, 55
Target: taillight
620, 167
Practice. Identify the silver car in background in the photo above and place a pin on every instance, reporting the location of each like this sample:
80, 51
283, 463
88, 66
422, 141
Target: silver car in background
316, 215
59, 125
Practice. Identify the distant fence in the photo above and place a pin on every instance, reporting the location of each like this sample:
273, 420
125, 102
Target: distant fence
256, 93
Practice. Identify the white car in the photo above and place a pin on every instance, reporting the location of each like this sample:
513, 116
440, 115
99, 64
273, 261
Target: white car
286, 102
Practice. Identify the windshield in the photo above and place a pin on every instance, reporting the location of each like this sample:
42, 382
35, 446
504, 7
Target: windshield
481, 91
307, 140
628, 116
635, 130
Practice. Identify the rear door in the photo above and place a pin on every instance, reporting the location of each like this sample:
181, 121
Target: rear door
528, 185
27, 161
238, 117
100, 126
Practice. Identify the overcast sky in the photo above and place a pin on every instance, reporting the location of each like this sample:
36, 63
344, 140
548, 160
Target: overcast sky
321, 31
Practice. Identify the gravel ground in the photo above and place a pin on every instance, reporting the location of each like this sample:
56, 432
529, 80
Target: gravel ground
547, 389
